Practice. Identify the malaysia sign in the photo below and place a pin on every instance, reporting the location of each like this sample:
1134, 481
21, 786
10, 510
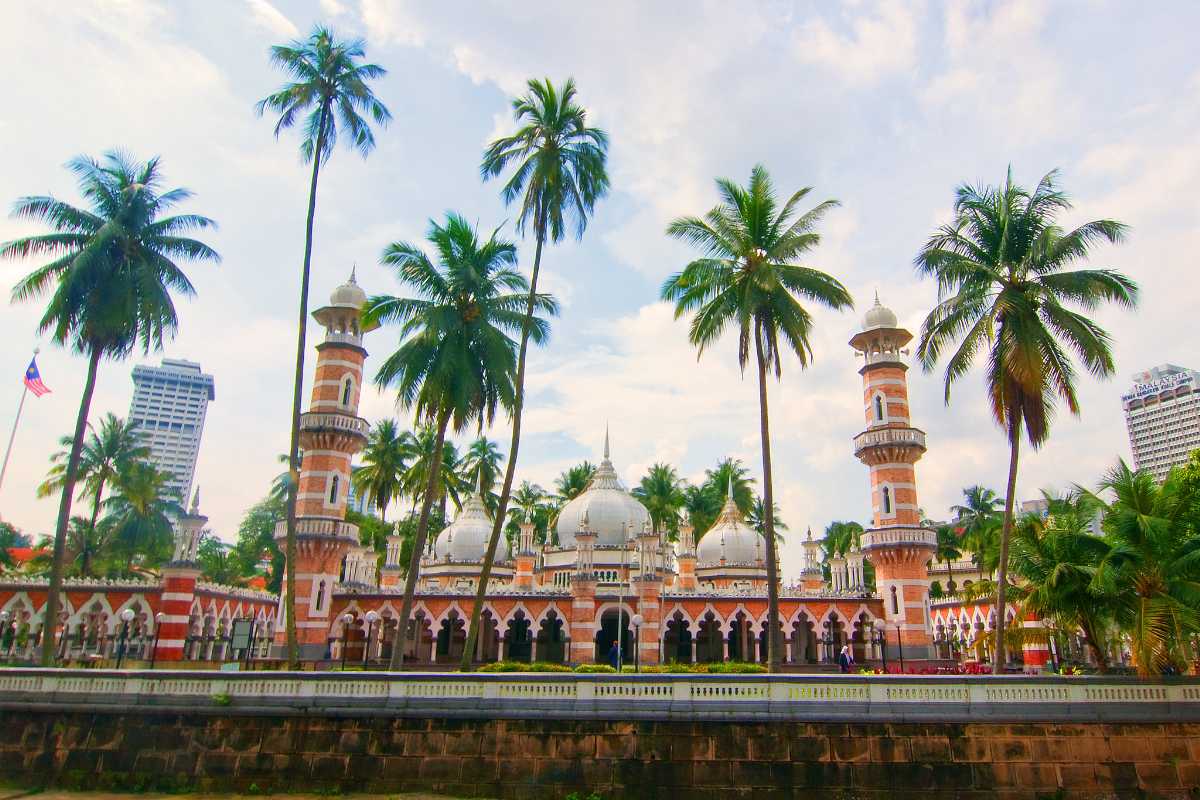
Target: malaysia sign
1160, 385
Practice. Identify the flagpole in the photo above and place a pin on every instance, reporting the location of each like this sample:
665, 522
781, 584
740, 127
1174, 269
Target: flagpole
16, 422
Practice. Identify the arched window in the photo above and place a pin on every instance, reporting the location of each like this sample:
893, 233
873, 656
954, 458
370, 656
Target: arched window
347, 389
887, 499
333, 490
879, 408
320, 601
895, 601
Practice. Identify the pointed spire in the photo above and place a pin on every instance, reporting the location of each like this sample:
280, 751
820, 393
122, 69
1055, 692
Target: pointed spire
606, 457
877, 298
196, 502
730, 492
354, 270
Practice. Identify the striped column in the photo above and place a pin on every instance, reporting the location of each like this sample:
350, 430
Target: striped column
178, 593
1035, 654
583, 617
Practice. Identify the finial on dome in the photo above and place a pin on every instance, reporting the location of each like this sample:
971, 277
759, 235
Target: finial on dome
729, 493
606, 441
877, 298
810, 533
354, 270
196, 502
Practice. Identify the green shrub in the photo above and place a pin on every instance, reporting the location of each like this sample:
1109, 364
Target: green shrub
736, 668
595, 668
521, 666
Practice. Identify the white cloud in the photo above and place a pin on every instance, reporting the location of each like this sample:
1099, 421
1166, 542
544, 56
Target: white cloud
878, 43
333, 8
271, 18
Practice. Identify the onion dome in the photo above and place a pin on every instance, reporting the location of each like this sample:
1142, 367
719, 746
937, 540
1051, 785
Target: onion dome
611, 512
348, 295
729, 538
879, 316
465, 539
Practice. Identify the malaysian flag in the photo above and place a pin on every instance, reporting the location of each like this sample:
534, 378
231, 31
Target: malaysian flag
33, 380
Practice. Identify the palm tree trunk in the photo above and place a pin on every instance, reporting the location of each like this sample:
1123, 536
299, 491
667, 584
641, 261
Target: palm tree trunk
85, 560
510, 470
774, 656
50, 618
414, 560
1014, 442
290, 554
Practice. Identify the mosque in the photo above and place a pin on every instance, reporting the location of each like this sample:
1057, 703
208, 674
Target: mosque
609, 578
610, 574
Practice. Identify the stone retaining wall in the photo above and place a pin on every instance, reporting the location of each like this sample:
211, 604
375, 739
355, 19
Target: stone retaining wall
531, 758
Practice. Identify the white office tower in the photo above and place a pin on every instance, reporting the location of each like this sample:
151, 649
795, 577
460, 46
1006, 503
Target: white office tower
1162, 412
169, 404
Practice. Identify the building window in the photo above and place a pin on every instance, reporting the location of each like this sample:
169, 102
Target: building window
320, 601
879, 412
895, 601
887, 499
347, 389
333, 490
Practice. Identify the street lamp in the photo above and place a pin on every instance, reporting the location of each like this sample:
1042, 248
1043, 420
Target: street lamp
347, 619
126, 618
4, 617
828, 640
372, 618
637, 621
158, 621
900, 647
878, 637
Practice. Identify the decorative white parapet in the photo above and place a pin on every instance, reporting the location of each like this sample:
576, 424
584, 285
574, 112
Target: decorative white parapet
876, 537
316, 526
654, 696
204, 587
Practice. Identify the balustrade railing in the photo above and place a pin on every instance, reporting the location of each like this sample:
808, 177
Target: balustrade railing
311, 526
911, 437
888, 536
316, 421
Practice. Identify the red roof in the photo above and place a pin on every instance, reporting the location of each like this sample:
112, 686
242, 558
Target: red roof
257, 582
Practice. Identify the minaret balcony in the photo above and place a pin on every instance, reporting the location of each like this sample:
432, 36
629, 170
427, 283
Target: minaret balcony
344, 337
876, 538
893, 444
321, 422
317, 527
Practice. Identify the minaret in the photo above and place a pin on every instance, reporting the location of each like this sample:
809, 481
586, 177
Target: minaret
897, 545
583, 594
648, 585
331, 432
179, 578
685, 556
811, 578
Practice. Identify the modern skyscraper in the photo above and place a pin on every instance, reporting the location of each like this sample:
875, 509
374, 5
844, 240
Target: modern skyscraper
169, 405
1162, 413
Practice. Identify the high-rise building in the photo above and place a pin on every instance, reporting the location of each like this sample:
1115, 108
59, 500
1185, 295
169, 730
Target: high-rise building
1162, 413
169, 405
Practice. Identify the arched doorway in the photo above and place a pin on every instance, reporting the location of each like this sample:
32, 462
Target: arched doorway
551, 640
607, 634
741, 639
710, 642
451, 638
804, 641
677, 640
518, 638
763, 653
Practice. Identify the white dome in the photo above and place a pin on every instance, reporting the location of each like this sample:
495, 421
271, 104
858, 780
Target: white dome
731, 539
612, 513
879, 316
465, 539
348, 294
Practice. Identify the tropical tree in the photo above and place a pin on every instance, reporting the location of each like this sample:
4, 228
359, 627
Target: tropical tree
218, 561
380, 478
661, 492
748, 278
559, 171
329, 94
1005, 288
840, 538
105, 455
979, 518
703, 504
1152, 568
529, 505
256, 540
480, 465
140, 516
112, 270
572, 481
757, 518
949, 550
447, 484
10, 537
456, 359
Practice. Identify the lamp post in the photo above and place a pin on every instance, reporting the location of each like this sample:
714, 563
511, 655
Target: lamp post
347, 618
878, 638
828, 640
126, 618
372, 618
4, 634
158, 621
637, 621
900, 647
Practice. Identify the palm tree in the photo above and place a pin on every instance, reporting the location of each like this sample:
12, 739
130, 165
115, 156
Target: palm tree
1056, 559
841, 538
948, 551
140, 516
661, 492
559, 172
979, 518
571, 483
456, 359
447, 484
329, 94
731, 471
529, 506
380, 477
703, 505
757, 518
281, 484
748, 278
480, 465
1153, 566
105, 454
1004, 286
110, 281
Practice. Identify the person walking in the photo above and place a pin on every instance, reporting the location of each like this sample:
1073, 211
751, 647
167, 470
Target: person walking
845, 659
613, 656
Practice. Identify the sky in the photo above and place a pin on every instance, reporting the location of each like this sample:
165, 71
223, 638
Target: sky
884, 106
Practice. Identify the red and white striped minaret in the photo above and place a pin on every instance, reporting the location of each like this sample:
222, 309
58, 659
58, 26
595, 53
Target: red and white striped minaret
331, 432
179, 578
898, 546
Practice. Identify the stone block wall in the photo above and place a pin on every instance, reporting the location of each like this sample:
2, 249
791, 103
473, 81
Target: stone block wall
552, 758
